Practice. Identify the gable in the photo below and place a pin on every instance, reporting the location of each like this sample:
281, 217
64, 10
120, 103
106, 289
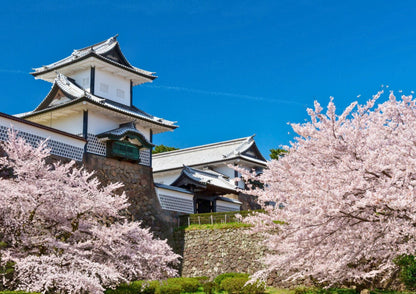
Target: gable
254, 152
58, 98
55, 96
116, 56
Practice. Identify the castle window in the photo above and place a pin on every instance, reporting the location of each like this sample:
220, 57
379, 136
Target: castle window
123, 150
103, 88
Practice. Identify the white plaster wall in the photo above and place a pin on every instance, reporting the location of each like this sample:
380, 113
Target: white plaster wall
223, 206
228, 204
72, 124
144, 131
175, 201
113, 83
22, 127
225, 170
229, 172
98, 123
166, 178
82, 78
173, 193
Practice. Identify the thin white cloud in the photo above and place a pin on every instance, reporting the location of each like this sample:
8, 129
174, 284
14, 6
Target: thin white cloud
12, 71
225, 94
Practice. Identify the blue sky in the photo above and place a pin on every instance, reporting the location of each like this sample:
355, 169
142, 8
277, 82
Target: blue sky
227, 69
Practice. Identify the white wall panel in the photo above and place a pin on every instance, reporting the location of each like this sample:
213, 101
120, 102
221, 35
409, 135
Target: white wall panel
72, 124
99, 123
175, 201
83, 79
110, 86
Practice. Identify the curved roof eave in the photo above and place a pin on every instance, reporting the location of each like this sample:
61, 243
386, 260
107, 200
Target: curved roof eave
82, 99
54, 89
237, 157
98, 56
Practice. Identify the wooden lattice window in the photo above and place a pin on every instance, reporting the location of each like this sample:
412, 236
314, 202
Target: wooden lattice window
123, 150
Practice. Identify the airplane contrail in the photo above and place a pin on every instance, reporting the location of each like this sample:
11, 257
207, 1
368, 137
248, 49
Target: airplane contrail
226, 94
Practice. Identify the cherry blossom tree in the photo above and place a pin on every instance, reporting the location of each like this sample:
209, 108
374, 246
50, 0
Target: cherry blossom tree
65, 233
345, 192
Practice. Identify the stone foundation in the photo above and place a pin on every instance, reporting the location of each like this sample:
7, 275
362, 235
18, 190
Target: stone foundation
138, 186
213, 252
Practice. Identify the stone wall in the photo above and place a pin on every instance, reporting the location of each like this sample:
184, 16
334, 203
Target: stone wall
138, 186
213, 252
249, 202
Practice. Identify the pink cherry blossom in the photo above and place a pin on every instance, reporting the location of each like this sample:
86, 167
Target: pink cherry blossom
65, 232
346, 192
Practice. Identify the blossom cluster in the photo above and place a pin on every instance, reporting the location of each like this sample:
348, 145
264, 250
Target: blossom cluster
64, 232
345, 192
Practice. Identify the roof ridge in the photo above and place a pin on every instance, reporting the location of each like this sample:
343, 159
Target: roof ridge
205, 146
207, 172
193, 173
99, 43
99, 51
61, 78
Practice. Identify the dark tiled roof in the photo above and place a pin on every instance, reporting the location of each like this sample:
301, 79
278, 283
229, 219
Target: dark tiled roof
77, 94
101, 51
205, 154
208, 177
125, 130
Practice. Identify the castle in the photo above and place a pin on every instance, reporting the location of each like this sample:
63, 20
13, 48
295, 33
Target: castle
89, 116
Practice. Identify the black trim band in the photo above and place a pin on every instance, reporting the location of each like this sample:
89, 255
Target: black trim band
92, 80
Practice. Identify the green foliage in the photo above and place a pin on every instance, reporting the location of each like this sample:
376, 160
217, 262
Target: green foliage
218, 280
186, 284
233, 285
170, 286
7, 269
277, 153
407, 264
237, 285
6, 272
254, 288
306, 290
202, 279
217, 226
209, 288
376, 291
272, 290
166, 288
17, 292
136, 287
150, 287
215, 217
163, 148
126, 288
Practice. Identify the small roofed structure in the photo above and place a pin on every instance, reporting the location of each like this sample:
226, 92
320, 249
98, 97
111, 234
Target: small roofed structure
231, 151
105, 54
208, 186
125, 142
92, 97
204, 180
207, 172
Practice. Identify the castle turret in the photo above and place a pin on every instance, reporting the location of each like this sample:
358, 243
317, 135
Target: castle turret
92, 94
